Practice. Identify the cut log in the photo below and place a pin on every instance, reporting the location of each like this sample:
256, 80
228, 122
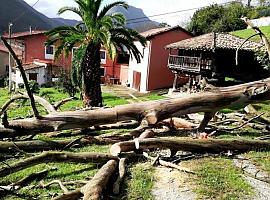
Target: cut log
73, 195
147, 134
46, 157
122, 172
39, 145
178, 123
94, 188
215, 99
190, 145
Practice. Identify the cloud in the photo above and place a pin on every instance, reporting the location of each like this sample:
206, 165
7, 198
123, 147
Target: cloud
150, 7
51, 7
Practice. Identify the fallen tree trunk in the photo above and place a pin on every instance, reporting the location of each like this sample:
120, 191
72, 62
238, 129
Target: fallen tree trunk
153, 111
190, 145
73, 195
46, 157
39, 145
121, 175
94, 188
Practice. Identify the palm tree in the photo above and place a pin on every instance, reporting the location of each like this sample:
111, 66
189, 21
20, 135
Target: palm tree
98, 28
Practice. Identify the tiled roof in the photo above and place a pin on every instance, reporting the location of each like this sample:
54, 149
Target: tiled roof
29, 66
212, 41
38, 64
26, 33
157, 31
18, 51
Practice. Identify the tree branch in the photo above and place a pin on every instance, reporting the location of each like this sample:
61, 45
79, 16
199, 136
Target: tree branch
27, 87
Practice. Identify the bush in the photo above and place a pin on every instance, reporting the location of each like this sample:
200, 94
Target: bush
65, 84
34, 86
3, 82
263, 59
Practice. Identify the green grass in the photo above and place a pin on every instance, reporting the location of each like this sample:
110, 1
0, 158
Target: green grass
261, 159
140, 184
63, 172
22, 108
248, 32
111, 101
219, 179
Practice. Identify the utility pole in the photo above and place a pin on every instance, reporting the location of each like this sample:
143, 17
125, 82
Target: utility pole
9, 59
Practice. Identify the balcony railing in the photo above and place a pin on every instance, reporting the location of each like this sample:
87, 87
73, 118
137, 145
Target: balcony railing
189, 64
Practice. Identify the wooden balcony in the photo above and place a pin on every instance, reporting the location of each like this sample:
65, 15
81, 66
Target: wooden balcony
189, 64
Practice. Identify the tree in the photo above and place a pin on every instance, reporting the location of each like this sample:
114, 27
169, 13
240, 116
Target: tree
218, 18
97, 29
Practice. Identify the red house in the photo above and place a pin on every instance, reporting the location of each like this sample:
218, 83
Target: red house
40, 63
152, 72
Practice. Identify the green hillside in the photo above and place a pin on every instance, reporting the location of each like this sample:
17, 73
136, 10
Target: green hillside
248, 32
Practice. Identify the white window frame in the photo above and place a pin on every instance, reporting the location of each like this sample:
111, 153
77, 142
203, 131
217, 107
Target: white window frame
103, 61
73, 51
49, 56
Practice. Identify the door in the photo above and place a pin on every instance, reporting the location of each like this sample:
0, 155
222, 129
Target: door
32, 76
136, 80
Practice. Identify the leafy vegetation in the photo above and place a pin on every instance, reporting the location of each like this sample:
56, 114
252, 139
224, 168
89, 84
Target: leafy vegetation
226, 18
218, 18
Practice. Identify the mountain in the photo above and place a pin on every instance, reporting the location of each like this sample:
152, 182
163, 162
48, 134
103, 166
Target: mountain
23, 16
136, 19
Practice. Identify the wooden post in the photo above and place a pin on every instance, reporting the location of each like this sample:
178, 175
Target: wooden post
175, 81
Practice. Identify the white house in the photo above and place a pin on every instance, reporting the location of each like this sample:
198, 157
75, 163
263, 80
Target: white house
37, 71
152, 72
263, 21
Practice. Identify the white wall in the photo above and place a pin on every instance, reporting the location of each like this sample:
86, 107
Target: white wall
263, 21
41, 75
140, 67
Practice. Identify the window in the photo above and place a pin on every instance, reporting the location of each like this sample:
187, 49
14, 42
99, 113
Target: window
102, 71
102, 57
123, 58
49, 52
32, 76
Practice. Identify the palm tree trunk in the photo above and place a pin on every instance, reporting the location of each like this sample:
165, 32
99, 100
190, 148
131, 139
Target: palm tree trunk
91, 76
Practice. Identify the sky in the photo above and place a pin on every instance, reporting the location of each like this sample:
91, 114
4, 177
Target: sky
150, 7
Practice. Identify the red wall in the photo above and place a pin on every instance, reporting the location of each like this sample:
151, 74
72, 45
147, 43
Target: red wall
159, 75
115, 70
35, 49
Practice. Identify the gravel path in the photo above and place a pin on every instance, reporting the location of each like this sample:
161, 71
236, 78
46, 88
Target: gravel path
261, 188
172, 185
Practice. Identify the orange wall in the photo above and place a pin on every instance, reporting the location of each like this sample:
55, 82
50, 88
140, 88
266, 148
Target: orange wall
159, 76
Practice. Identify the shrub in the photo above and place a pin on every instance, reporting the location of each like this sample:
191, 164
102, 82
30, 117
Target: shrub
34, 86
65, 84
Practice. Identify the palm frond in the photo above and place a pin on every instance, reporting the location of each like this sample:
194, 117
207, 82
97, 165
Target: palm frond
108, 7
72, 9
